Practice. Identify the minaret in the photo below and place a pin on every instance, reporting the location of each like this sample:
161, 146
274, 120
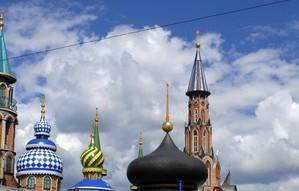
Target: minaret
198, 130
8, 115
40, 167
92, 160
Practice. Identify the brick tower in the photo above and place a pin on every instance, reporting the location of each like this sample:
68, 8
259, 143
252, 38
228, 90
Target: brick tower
198, 129
8, 116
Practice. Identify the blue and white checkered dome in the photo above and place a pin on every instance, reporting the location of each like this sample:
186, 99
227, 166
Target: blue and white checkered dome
39, 161
42, 127
40, 157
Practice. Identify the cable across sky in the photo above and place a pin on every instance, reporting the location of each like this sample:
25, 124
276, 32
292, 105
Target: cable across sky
152, 28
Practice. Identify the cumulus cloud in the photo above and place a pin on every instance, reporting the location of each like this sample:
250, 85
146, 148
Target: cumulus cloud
254, 127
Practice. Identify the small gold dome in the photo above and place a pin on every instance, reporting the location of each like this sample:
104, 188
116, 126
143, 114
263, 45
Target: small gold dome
167, 126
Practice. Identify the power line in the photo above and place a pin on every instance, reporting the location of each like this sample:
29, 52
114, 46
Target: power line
152, 28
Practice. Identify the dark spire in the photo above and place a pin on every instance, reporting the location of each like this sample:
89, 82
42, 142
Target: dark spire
226, 181
198, 82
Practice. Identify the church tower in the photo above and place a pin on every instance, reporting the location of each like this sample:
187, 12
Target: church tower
198, 129
8, 116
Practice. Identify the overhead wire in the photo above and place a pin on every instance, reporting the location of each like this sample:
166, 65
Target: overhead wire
150, 28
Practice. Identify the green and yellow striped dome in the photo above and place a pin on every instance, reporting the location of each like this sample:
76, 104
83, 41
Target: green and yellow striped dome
92, 159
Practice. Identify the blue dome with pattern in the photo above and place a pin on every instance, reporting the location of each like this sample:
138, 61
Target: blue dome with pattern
40, 157
41, 143
42, 127
89, 184
39, 161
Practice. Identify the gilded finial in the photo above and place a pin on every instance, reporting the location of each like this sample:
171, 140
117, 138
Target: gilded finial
197, 39
43, 104
167, 125
1, 19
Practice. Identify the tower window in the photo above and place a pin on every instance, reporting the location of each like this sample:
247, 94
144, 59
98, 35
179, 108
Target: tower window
9, 164
203, 116
195, 141
31, 182
47, 183
195, 115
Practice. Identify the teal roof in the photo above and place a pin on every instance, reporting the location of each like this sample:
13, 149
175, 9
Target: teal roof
5, 70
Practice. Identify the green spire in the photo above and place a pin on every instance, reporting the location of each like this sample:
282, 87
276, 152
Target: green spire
5, 71
96, 131
140, 152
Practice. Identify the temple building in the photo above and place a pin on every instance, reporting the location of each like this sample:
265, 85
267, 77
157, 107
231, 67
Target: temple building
92, 160
8, 116
167, 168
198, 129
40, 168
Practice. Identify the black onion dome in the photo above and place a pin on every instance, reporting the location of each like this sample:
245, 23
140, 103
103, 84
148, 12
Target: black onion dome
165, 167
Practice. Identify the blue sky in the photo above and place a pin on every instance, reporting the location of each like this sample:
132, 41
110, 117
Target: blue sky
251, 61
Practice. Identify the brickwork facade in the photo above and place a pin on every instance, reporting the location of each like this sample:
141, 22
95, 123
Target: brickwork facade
39, 183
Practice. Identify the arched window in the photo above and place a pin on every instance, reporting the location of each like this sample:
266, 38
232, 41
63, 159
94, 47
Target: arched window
31, 182
208, 181
47, 183
195, 141
9, 164
195, 115
203, 116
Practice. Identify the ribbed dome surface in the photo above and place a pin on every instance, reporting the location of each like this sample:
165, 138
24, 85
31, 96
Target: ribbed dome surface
166, 167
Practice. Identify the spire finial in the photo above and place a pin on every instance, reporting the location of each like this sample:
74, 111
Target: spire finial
97, 115
197, 39
92, 139
1, 19
96, 130
140, 139
43, 104
140, 152
167, 125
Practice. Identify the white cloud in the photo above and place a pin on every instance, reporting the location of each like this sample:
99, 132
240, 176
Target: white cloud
254, 128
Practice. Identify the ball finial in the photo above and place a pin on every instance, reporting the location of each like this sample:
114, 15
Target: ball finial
197, 39
167, 125
43, 104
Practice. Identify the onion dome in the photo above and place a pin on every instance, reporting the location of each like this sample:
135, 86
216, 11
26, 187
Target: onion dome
92, 160
40, 156
166, 168
42, 127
